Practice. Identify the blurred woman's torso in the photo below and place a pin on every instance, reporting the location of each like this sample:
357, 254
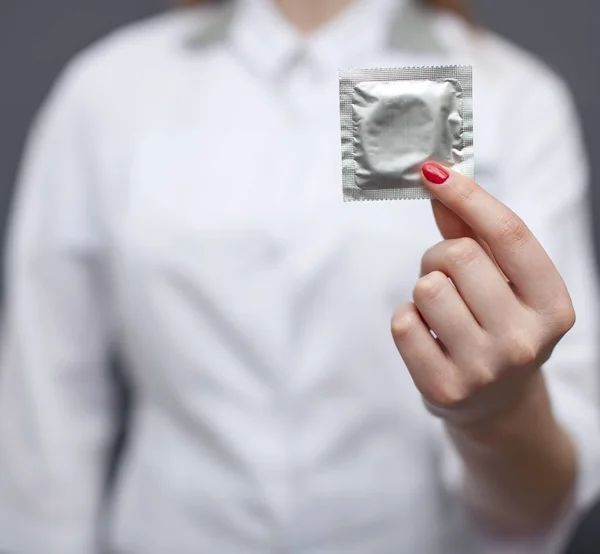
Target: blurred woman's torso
271, 411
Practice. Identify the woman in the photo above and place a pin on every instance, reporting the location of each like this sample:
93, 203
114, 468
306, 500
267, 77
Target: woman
180, 203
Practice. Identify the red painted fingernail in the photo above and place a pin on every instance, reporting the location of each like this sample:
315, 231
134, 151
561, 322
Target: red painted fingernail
435, 173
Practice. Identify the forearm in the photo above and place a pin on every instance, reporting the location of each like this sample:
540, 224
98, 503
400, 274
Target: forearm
520, 464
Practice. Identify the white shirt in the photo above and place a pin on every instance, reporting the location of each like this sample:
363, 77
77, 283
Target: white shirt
180, 202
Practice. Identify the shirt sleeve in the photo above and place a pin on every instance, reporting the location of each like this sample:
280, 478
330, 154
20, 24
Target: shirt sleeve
545, 181
56, 413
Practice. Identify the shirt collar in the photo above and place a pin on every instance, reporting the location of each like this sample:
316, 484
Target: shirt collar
262, 36
360, 30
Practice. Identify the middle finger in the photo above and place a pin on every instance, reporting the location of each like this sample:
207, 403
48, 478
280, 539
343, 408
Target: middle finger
476, 277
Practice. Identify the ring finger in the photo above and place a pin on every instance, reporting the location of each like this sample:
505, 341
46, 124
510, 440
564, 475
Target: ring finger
447, 315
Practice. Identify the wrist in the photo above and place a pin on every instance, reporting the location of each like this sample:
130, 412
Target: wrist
524, 406
522, 448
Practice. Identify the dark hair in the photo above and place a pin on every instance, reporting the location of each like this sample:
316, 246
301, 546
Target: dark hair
460, 7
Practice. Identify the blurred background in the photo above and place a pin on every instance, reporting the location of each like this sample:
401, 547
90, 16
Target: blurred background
37, 37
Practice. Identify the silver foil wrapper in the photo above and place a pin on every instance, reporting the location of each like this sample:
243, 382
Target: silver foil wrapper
394, 120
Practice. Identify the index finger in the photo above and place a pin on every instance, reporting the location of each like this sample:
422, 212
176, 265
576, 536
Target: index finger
517, 251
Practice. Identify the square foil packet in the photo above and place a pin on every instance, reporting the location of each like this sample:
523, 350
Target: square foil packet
394, 120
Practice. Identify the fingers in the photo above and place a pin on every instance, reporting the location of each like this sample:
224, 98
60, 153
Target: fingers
429, 367
450, 225
518, 253
446, 314
477, 279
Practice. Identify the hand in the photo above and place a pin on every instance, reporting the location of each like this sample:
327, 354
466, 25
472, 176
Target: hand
493, 298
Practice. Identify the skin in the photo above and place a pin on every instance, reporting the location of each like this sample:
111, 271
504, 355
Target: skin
308, 15
496, 324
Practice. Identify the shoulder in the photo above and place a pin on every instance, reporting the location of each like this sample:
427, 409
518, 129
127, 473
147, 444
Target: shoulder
530, 94
501, 65
129, 56
520, 69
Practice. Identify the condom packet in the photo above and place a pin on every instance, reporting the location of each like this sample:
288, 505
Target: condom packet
394, 120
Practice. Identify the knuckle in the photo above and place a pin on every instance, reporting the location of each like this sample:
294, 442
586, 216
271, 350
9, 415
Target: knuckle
521, 351
484, 374
465, 190
564, 316
405, 319
462, 252
449, 397
430, 257
511, 231
567, 319
428, 288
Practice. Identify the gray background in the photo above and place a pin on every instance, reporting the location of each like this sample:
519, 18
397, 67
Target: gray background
37, 37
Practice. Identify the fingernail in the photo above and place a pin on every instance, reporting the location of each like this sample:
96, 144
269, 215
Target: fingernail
435, 173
